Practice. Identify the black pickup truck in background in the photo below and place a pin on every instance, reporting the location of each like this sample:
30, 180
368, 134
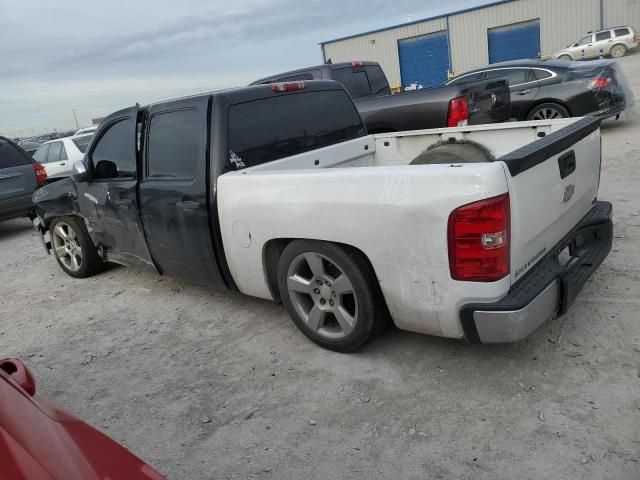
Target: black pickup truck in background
484, 101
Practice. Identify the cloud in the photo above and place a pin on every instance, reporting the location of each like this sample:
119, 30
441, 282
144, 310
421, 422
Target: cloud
95, 55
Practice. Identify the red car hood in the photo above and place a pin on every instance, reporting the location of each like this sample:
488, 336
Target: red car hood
39, 441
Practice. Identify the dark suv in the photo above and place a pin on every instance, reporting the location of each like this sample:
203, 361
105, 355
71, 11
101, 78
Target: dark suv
20, 176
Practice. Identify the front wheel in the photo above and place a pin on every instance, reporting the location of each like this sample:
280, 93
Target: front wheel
618, 51
331, 294
565, 58
73, 247
548, 111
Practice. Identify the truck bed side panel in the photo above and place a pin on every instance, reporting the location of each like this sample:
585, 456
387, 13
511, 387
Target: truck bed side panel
397, 216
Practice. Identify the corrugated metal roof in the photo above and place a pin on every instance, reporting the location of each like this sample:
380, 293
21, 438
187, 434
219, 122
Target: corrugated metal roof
444, 15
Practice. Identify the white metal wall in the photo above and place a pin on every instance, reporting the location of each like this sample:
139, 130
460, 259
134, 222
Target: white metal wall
384, 50
622, 12
561, 22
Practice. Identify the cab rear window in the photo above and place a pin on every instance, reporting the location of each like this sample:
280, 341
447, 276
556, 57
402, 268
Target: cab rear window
276, 127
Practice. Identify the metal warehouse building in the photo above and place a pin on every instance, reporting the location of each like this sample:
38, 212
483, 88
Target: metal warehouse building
426, 51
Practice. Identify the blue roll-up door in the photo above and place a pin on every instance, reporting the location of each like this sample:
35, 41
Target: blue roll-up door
511, 42
424, 60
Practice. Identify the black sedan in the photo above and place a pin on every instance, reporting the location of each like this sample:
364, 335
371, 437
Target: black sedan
558, 89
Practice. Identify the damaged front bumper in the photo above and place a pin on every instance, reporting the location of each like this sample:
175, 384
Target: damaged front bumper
548, 289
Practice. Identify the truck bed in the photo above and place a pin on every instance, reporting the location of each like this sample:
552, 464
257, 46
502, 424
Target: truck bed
365, 193
400, 148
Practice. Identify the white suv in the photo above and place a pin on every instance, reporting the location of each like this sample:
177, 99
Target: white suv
611, 41
57, 156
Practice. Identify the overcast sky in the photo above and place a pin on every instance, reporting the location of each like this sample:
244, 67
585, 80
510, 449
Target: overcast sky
96, 56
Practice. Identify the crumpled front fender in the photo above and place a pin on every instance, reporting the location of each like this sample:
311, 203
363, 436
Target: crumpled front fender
56, 199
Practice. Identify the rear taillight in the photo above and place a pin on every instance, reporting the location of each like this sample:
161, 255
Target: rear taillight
41, 173
479, 236
288, 87
356, 64
600, 83
458, 114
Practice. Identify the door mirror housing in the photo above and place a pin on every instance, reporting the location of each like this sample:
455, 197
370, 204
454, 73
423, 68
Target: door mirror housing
80, 172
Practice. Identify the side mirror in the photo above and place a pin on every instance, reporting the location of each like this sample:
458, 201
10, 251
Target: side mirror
106, 169
80, 173
20, 374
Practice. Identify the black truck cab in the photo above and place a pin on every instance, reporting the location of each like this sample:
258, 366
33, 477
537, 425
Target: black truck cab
147, 195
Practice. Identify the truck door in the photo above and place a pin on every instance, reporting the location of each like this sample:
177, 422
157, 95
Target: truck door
175, 189
109, 200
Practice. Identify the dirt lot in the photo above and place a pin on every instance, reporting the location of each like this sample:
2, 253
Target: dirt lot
206, 384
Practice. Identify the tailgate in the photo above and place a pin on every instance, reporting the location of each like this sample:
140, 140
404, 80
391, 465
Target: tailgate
489, 101
553, 183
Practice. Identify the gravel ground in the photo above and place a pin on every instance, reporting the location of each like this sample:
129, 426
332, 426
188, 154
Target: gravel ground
206, 384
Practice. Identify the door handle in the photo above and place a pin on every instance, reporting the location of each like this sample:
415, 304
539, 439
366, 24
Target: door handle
523, 92
567, 164
62, 164
188, 205
124, 202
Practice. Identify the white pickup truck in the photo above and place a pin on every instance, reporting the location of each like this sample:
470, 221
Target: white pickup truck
478, 232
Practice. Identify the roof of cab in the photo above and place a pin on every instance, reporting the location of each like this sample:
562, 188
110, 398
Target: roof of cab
324, 66
238, 95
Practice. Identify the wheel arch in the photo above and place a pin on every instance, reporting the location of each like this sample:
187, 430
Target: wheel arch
622, 44
47, 221
272, 252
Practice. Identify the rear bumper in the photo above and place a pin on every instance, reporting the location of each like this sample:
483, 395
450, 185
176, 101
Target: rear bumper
548, 289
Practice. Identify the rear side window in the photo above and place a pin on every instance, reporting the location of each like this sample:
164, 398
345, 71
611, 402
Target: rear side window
603, 36
10, 156
114, 156
472, 77
354, 80
41, 153
296, 78
276, 127
176, 142
377, 80
621, 32
541, 74
515, 76
54, 152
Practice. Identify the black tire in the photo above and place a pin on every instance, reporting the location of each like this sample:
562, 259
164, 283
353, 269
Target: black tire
370, 310
565, 58
546, 110
90, 262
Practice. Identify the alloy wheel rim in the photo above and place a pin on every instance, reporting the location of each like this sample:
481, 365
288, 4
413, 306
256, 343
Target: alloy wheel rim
322, 295
617, 51
548, 113
67, 246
